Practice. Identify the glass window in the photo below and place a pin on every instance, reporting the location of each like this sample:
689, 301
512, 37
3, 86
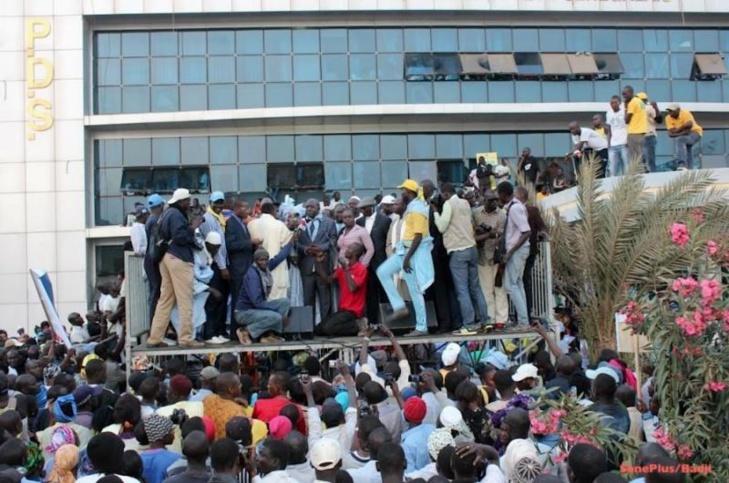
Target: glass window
684, 91
446, 93
391, 92
578, 40
279, 95
277, 41
194, 150
335, 93
417, 40
221, 96
109, 181
280, 149
365, 147
108, 100
333, 40
604, 40
193, 98
526, 39
393, 173
451, 171
389, 66
306, 67
135, 72
224, 178
555, 144
278, 68
638, 85
362, 66
334, 67
221, 42
706, 40
221, 70
498, 40
109, 211
551, 40
630, 40
163, 43
712, 142
252, 178
421, 170
194, 43
338, 176
165, 151
108, 72
164, 70
250, 68
421, 146
473, 92
659, 90
529, 91
165, 98
419, 92
580, 91
137, 152
197, 178
504, 145
109, 152
535, 141
449, 146
554, 91
337, 147
135, 181
193, 70
362, 40
366, 174
633, 65
604, 89
135, 99
307, 94
656, 66
249, 95
394, 146
709, 92
528, 63
475, 143
419, 67
135, 44
681, 65
655, 40
308, 148
363, 93
501, 91
389, 40
681, 40
251, 149
471, 40
306, 41
249, 42
108, 45
445, 40
281, 175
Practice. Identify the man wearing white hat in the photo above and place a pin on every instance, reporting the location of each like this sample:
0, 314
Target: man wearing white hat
176, 269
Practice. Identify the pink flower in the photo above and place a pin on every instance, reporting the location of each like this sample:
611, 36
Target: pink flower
664, 439
558, 414
712, 248
710, 291
715, 386
679, 234
684, 451
684, 286
633, 314
560, 457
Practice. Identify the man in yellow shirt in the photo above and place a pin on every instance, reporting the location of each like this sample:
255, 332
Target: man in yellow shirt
685, 131
412, 258
637, 121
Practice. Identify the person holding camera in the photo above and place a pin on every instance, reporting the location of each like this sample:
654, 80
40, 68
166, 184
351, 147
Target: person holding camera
490, 221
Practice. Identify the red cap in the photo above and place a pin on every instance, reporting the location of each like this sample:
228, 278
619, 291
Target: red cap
414, 410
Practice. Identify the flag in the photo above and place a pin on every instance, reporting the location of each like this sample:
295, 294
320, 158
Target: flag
44, 287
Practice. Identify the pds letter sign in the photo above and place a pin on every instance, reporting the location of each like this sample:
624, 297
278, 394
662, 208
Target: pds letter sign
38, 75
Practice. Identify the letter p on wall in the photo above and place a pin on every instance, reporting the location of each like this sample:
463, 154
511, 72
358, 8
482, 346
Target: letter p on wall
38, 75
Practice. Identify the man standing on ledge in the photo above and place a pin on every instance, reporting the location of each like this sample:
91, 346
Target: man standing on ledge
637, 121
176, 271
412, 257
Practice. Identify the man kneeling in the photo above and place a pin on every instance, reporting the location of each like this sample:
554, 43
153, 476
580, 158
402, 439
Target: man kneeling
257, 316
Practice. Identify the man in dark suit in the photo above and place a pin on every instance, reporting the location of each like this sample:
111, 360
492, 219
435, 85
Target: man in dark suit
240, 247
318, 237
377, 224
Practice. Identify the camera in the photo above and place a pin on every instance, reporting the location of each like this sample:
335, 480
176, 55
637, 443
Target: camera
484, 170
333, 364
363, 408
389, 378
415, 378
178, 417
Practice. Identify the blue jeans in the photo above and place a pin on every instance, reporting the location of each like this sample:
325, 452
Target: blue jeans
684, 148
464, 268
259, 321
618, 159
649, 153
385, 272
514, 283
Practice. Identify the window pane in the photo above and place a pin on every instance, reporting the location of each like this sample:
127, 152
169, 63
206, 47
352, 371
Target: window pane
555, 144
681, 40
335, 93
109, 211
366, 174
498, 40
556, 91
310, 175
528, 63
393, 173
224, 178
712, 142
279, 95
391, 92
164, 70
108, 72
363, 92
221, 96
389, 67
419, 92
249, 42
194, 150
135, 99
306, 67
604, 89
362, 40
451, 171
445, 40
165, 151
334, 67
633, 65
580, 91
504, 144
198, 179
249, 95
630, 40
604, 40
137, 152
525, 39
135, 72
421, 146
417, 40
501, 91
394, 146
193, 70
337, 148
252, 149
109, 153
221, 70
250, 68
681, 65
709, 92
165, 98
108, 45
475, 143
706, 40
221, 42
471, 40
307, 94
421, 170
338, 176
277, 41
362, 66
306, 41
578, 40
365, 147
163, 43
389, 40
551, 40
110, 181
252, 178
446, 92
534, 141
193, 43
449, 146
308, 148
656, 66
528, 91
684, 91
333, 40
135, 44
278, 68
280, 149
655, 40
108, 100
473, 92
193, 98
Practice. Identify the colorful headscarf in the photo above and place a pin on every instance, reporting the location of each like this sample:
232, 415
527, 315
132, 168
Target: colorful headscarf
64, 463
64, 401
33, 459
61, 436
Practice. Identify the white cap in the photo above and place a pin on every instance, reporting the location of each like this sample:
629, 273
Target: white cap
525, 371
673, 107
450, 354
593, 373
179, 195
451, 417
214, 238
388, 200
325, 453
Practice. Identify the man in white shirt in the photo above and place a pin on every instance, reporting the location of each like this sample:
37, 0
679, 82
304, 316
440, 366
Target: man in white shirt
618, 138
587, 142
138, 234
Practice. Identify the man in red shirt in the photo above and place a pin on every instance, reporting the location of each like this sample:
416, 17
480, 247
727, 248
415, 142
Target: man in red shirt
351, 275
268, 408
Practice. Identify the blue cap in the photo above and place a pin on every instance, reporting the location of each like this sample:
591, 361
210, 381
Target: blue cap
154, 201
216, 196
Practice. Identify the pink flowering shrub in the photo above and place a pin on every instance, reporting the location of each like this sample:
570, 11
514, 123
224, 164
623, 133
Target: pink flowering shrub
679, 234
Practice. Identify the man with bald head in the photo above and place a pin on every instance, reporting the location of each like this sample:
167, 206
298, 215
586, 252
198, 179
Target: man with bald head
587, 142
196, 449
225, 403
316, 240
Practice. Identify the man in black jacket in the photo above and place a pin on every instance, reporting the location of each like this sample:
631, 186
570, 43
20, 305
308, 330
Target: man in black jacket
155, 205
176, 269
377, 225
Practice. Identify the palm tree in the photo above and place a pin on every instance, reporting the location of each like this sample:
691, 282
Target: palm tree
619, 245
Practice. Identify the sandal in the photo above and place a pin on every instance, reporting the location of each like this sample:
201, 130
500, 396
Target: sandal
243, 337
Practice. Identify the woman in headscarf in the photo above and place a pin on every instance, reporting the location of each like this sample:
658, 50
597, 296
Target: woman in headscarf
64, 465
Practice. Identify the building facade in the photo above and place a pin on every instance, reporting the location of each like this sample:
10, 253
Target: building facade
106, 101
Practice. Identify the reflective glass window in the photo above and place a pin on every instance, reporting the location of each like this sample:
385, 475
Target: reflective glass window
249, 42
193, 98
251, 149
309, 148
555, 144
221, 96
578, 40
554, 91
681, 40
475, 143
419, 92
165, 151
163, 43
417, 40
660, 90
362, 67
362, 40
393, 172
108, 45
281, 175
504, 144
280, 149
709, 92
221, 42
529, 91
108, 72
633, 65
389, 66
534, 141
444, 39
249, 95
337, 147
165, 98
109, 181
684, 90
194, 43
365, 147
712, 142
109, 211
194, 150
389, 40
391, 92
446, 92
109, 152
451, 171
604, 89
551, 40
334, 67
656, 66
338, 176
630, 40
164, 70
137, 152
224, 178
471, 40
135, 72
473, 92
307, 94
135, 99
221, 70
394, 146
449, 146
108, 100
135, 44
580, 91
363, 92
193, 70
706, 40
526, 40
333, 40
422, 170
277, 41
335, 93
498, 40
279, 95
278, 68
681, 65
366, 174
655, 40
501, 91
306, 67
252, 178
306, 41
604, 40
250, 68
421, 146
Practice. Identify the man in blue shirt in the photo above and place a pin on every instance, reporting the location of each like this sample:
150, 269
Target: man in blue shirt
156, 459
414, 439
